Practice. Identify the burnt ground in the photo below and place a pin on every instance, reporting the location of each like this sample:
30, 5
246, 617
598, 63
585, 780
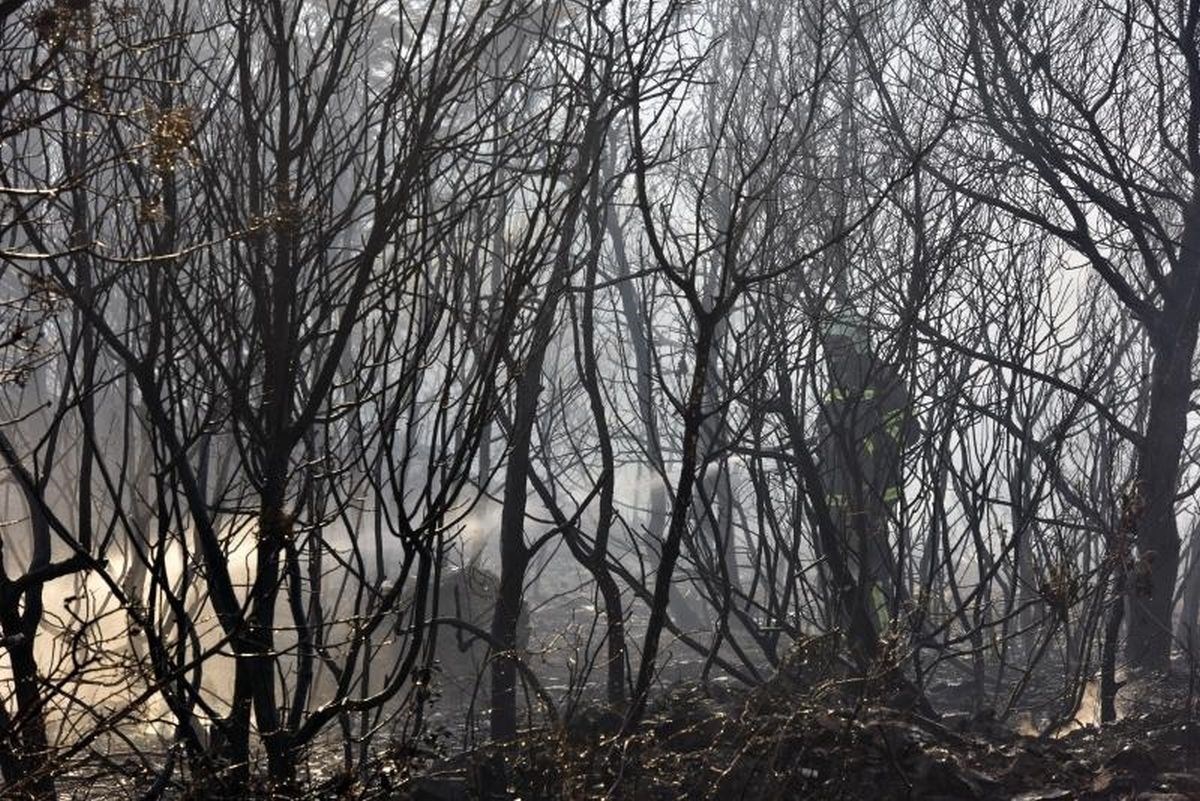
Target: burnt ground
778, 742
810, 733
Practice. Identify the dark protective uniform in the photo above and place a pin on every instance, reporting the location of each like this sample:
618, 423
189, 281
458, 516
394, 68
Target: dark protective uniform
866, 421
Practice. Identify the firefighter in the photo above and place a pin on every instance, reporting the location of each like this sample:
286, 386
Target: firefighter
866, 421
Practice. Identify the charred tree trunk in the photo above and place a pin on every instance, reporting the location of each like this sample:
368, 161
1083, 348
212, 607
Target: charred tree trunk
514, 553
1118, 563
1173, 337
1189, 617
595, 558
24, 747
681, 515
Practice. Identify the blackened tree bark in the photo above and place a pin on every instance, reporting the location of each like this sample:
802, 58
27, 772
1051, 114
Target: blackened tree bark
595, 555
1172, 334
1054, 111
515, 552
693, 414
25, 755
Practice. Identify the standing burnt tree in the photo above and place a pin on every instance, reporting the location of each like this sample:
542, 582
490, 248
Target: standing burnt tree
256, 260
615, 69
1085, 123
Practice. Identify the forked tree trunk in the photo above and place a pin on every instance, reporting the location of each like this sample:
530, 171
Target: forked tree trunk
514, 553
24, 747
